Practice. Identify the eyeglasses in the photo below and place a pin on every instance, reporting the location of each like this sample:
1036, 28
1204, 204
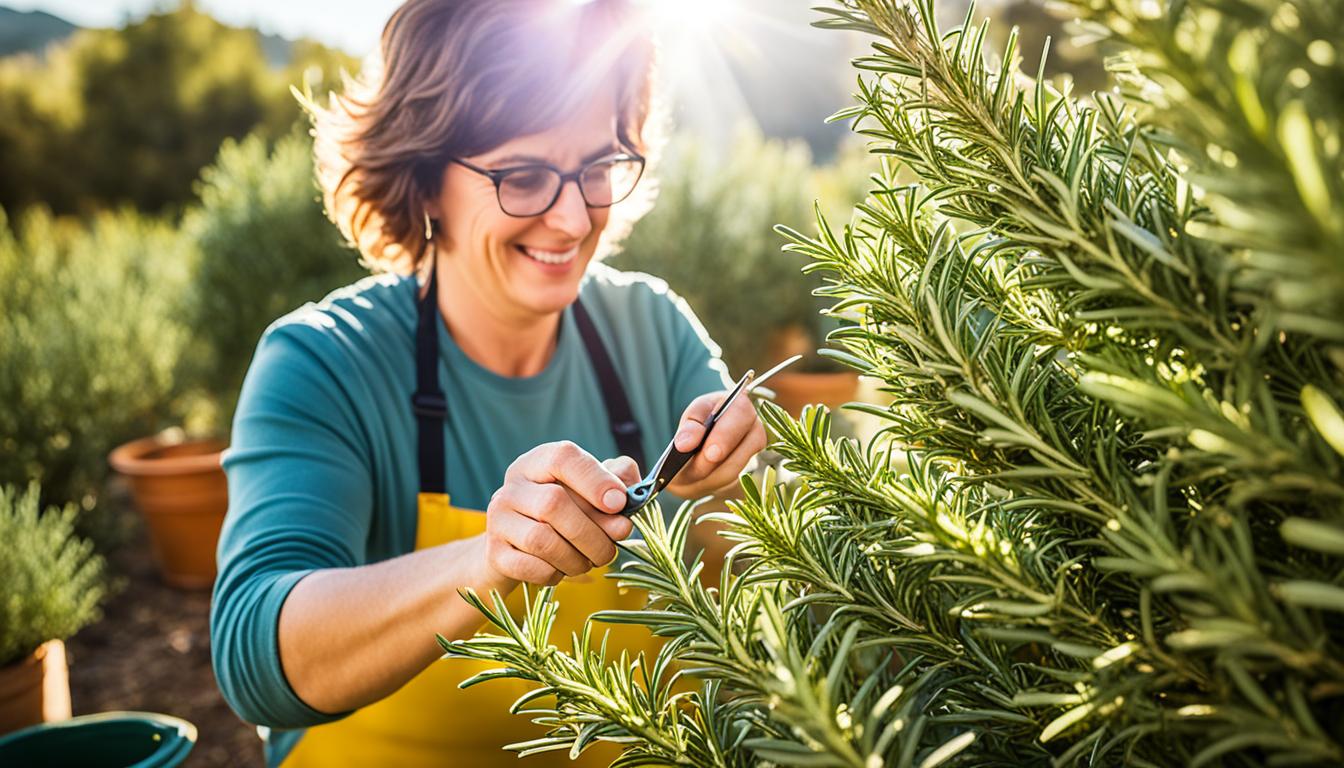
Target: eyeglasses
531, 190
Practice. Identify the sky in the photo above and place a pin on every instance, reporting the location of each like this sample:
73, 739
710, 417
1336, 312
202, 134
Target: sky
793, 73
353, 25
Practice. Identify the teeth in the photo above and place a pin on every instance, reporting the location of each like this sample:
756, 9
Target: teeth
551, 257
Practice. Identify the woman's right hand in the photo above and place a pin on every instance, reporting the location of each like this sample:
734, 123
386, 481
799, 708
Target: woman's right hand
557, 514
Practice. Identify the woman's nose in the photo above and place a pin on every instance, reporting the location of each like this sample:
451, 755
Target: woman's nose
570, 212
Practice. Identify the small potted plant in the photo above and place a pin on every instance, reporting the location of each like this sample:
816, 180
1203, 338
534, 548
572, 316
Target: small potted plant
711, 236
51, 584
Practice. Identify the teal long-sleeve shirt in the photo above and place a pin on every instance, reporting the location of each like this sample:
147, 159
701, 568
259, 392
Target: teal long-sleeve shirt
322, 471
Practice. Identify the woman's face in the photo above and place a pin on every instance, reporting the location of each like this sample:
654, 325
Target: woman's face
523, 268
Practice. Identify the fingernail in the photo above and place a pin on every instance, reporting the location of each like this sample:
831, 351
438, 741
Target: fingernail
713, 452
614, 499
683, 439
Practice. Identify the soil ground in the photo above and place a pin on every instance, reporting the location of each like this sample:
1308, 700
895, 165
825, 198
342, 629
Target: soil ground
151, 652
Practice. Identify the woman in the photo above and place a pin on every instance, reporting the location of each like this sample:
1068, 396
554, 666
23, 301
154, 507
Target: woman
473, 420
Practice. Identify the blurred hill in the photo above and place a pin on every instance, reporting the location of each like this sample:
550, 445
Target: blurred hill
769, 68
764, 66
30, 31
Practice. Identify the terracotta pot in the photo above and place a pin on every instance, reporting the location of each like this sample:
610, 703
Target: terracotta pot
794, 389
35, 689
180, 488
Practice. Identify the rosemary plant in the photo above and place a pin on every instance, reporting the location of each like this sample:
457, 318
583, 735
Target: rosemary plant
1102, 524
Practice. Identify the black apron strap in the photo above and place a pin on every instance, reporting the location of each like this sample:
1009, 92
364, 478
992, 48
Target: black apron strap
428, 402
431, 408
623, 425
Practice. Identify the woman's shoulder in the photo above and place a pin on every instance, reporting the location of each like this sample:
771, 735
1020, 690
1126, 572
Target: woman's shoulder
323, 357
642, 309
626, 295
362, 317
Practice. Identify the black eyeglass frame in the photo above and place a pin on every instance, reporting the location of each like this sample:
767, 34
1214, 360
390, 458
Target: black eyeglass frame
498, 175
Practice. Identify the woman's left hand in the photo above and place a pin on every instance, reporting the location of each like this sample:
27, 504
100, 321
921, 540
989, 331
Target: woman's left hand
737, 436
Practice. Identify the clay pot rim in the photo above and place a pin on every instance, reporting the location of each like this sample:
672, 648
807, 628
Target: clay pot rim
34, 657
131, 458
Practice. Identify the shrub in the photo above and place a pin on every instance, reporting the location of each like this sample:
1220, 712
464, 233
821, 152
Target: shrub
265, 248
710, 237
88, 344
50, 581
1102, 523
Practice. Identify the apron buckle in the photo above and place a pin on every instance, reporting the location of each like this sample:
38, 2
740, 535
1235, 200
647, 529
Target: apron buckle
430, 405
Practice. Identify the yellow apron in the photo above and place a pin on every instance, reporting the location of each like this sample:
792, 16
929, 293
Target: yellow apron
430, 721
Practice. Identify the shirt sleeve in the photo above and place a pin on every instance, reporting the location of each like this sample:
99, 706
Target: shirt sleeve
300, 499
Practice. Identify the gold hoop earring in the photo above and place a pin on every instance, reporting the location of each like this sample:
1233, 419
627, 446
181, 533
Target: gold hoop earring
429, 227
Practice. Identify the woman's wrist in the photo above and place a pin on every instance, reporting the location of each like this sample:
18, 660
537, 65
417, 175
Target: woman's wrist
479, 574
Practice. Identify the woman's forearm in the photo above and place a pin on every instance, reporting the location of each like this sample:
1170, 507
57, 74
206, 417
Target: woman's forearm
351, 636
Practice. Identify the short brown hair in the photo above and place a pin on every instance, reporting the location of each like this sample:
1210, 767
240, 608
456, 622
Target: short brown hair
460, 77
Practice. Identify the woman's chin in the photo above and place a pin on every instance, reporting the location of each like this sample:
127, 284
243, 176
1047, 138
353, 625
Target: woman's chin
550, 299
548, 288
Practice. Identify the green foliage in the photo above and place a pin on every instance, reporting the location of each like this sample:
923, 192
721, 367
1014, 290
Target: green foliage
95, 351
265, 248
129, 116
50, 581
1249, 94
600, 698
1102, 525
88, 344
710, 237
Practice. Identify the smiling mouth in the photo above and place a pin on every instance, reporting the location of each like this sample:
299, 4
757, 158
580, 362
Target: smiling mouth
549, 257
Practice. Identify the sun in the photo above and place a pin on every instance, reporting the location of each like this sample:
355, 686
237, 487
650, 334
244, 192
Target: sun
691, 17
700, 43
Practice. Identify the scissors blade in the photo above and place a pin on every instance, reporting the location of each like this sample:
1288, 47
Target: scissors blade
673, 460
727, 401
759, 380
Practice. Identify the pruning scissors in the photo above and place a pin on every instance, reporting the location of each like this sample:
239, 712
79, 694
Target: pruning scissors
670, 463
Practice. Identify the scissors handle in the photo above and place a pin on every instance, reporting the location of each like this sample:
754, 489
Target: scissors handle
670, 463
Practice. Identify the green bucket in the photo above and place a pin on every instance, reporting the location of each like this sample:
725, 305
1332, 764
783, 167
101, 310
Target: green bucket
105, 740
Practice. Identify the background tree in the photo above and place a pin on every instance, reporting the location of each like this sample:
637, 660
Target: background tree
130, 116
264, 248
1102, 525
709, 236
126, 325
88, 346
